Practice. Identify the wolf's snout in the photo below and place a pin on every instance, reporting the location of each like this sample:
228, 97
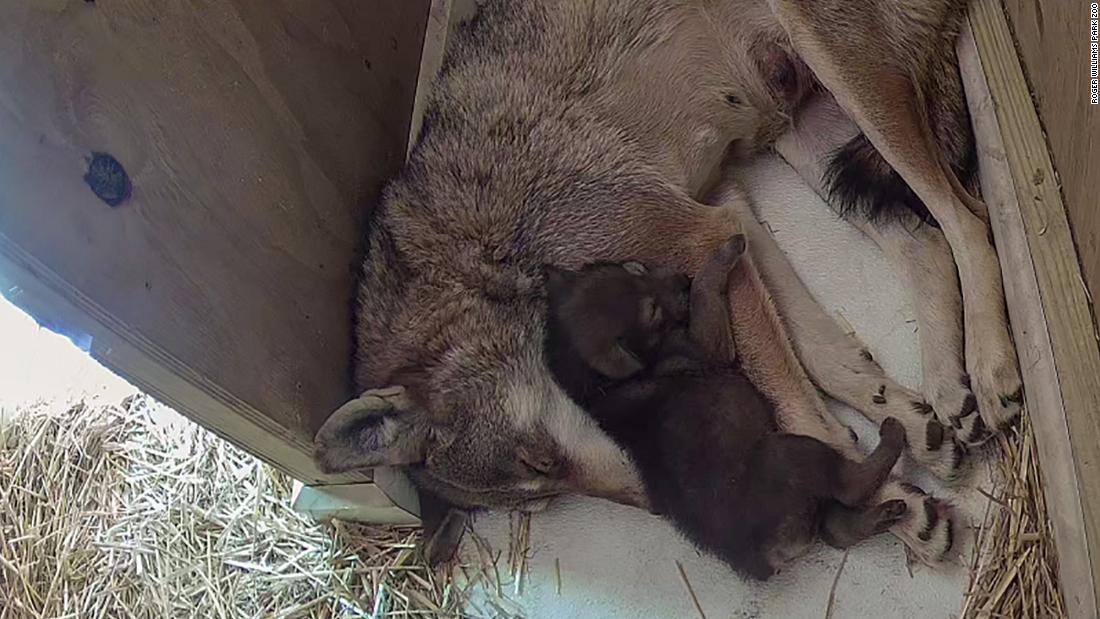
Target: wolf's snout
626, 496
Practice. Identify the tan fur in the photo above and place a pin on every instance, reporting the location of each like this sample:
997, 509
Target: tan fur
770, 363
886, 92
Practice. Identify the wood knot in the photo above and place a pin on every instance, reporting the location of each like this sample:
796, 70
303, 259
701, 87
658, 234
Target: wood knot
108, 179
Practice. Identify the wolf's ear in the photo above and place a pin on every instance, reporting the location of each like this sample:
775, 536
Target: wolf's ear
380, 427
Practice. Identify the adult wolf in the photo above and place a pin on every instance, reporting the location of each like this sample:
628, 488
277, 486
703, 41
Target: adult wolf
565, 132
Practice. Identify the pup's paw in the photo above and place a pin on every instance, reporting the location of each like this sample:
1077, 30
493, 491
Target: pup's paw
927, 526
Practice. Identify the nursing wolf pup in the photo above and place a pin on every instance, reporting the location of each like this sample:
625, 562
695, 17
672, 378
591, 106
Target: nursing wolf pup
567, 132
704, 439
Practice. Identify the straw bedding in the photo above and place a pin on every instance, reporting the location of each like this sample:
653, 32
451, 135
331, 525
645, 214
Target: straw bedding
1014, 567
108, 512
132, 511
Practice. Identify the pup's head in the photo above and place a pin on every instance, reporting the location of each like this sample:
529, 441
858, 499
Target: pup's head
614, 315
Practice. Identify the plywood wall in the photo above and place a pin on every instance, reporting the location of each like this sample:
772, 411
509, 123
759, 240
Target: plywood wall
1053, 41
253, 135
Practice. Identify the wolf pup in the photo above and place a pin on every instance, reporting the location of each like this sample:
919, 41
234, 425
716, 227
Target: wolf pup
650, 367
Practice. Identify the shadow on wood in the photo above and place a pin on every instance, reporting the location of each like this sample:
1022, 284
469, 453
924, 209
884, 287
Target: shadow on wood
253, 135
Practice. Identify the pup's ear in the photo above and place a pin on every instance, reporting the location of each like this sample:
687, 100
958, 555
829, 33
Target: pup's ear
380, 427
614, 361
558, 281
635, 268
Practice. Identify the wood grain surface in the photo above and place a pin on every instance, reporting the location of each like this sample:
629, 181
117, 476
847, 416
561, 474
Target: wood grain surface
1053, 42
255, 134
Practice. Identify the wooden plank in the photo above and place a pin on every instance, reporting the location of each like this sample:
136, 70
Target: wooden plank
1053, 40
254, 134
1049, 309
350, 502
431, 59
443, 17
1032, 337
